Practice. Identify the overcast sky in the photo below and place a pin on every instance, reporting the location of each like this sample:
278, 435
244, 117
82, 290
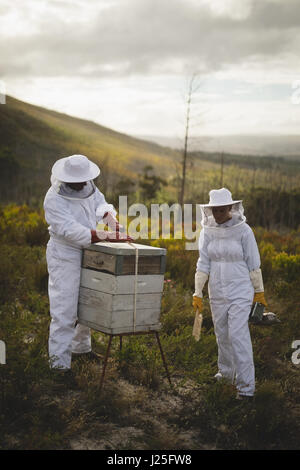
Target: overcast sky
126, 63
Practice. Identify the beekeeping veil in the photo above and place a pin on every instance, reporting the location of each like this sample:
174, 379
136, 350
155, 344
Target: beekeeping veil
74, 169
221, 197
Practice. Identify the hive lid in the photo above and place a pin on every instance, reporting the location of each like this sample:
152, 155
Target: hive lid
124, 248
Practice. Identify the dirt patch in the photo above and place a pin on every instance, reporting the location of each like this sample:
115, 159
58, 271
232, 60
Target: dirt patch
150, 419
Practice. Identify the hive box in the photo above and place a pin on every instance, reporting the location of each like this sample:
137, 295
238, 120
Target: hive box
112, 298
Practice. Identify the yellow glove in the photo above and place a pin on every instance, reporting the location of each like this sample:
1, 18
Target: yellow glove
260, 297
197, 304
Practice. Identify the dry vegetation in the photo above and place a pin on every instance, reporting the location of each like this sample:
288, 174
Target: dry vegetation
137, 409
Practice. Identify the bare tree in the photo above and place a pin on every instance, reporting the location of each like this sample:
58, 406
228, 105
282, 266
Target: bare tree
192, 88
222, 170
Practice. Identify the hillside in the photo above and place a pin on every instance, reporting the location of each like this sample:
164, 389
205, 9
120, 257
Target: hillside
281, 145
33, 138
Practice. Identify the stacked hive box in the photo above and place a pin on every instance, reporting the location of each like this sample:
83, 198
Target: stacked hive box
121, 287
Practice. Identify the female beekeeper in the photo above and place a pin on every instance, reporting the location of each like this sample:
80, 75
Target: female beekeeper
229, 258
73, 206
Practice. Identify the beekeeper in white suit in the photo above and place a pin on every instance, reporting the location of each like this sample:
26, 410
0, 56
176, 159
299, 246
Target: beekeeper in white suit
230, 260
73, 206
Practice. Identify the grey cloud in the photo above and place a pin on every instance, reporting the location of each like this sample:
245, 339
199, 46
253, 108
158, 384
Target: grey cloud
284, 14
150, 36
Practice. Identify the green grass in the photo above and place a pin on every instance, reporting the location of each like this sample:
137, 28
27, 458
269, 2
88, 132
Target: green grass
136, 408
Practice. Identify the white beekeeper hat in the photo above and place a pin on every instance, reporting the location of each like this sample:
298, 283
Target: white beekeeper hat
75, 169
220, 197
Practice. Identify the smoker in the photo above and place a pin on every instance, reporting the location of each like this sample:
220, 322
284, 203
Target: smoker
121, 289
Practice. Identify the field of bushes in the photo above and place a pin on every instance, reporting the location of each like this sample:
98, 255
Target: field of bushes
195, 412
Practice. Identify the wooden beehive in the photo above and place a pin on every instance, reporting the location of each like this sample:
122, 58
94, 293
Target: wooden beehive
118, 295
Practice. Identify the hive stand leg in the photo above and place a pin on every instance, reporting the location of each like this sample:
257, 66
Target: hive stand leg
105, 361
163, 357
120, 342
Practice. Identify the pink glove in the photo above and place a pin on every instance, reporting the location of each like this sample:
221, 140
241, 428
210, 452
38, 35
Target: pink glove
112, 222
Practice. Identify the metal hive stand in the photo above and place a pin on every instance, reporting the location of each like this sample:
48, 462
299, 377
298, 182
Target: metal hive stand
111, 335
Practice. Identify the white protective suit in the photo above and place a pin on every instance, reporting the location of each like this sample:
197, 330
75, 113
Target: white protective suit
71, 216
227, 254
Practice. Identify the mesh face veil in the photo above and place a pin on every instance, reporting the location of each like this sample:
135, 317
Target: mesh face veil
237, 213
63, 190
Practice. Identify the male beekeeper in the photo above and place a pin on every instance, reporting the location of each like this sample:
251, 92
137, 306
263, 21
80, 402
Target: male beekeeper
229, 258
73, 206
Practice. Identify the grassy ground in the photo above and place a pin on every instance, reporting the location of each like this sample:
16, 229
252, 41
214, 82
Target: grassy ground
137, 409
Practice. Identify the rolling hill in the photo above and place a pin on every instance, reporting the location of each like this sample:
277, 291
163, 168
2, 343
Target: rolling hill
33, 138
